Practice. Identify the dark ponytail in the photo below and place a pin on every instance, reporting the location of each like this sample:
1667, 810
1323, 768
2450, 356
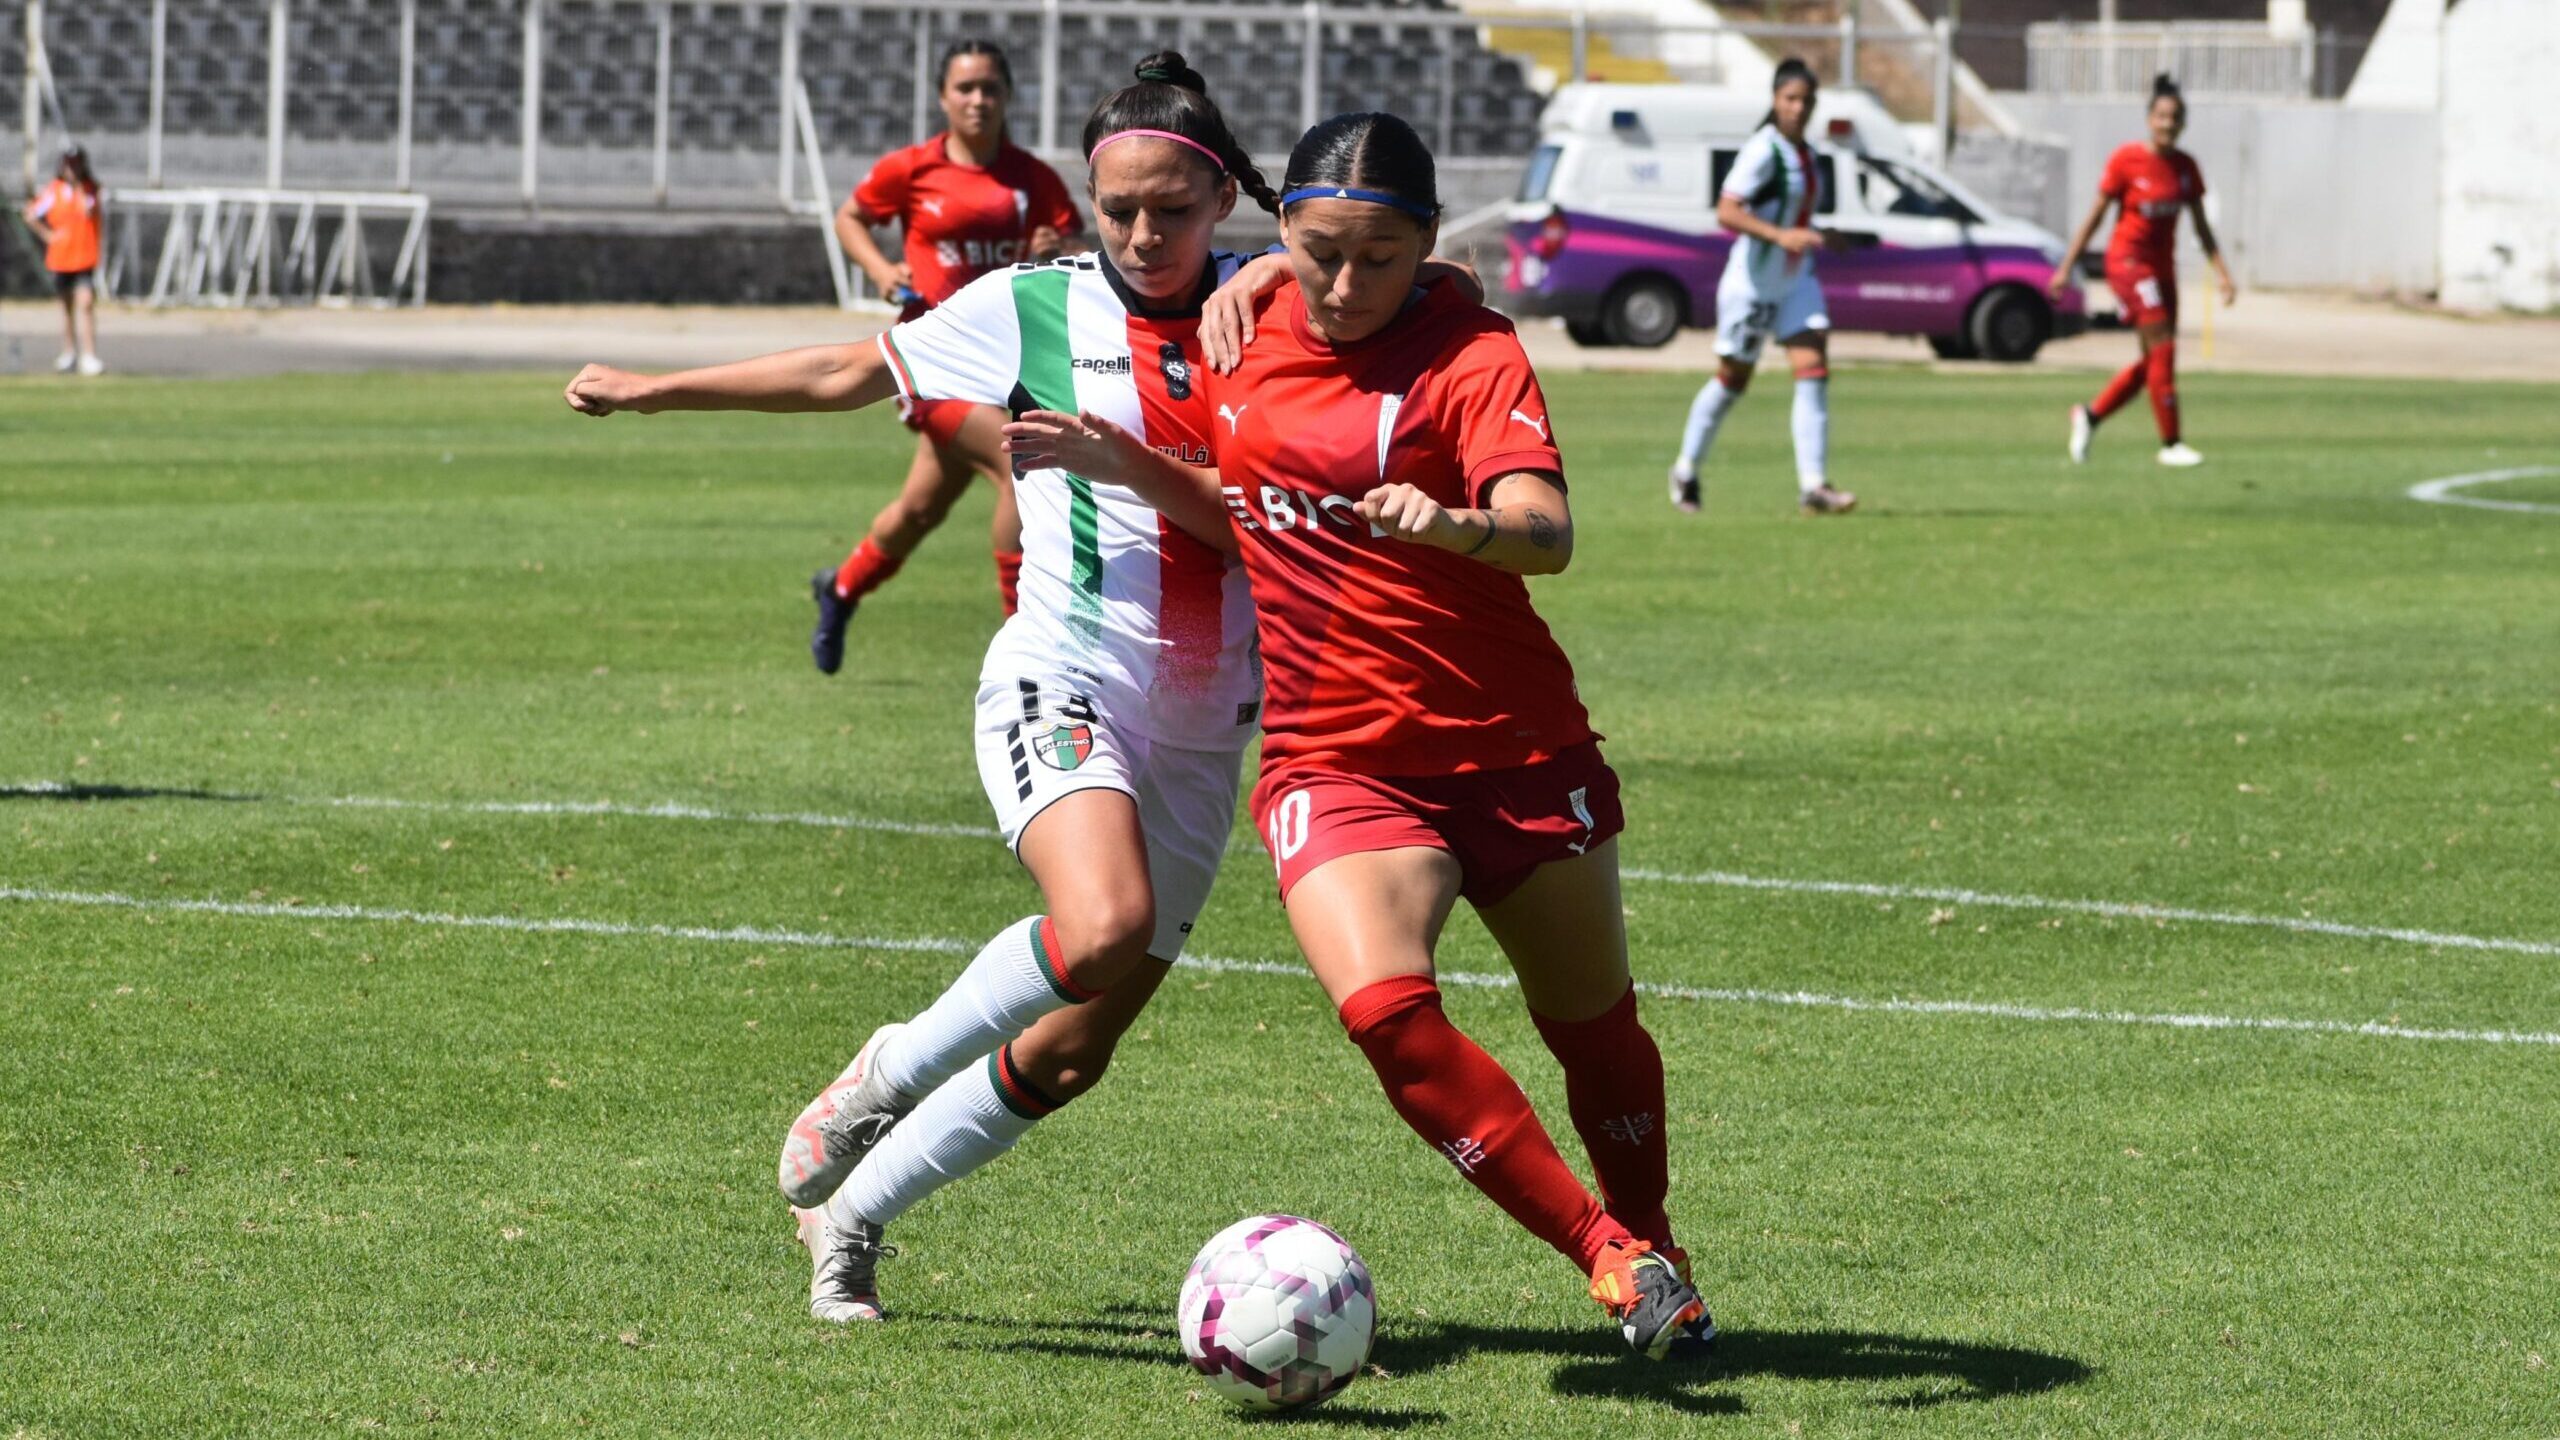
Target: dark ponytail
1368, 151
1791, 68
2164, 88
1172, 97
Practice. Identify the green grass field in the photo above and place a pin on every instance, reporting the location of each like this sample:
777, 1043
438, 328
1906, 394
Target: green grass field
276, 1171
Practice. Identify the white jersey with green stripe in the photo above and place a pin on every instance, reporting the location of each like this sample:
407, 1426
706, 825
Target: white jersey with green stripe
1116, 604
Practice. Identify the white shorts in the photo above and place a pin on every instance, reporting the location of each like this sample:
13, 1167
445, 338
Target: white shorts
1745, 319
1039, 742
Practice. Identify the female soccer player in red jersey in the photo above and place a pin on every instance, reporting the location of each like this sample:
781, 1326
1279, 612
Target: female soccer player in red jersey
1389, 475
2151, 182
970, 201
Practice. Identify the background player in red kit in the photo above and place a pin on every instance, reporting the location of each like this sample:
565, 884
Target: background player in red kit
970, 201
2151, 182
1389, 475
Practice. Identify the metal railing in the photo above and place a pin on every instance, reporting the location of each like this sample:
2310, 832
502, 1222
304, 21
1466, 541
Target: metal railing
1323, 28
231, 248
2210, 60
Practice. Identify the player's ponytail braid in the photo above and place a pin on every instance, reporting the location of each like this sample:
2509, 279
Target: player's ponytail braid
1172, 97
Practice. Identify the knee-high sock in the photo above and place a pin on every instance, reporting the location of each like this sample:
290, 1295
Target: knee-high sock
1613, 1085
1460, 1099
1706, 412
1015, 980
865, 570
1813, 430
1009, 579
2163, 363
2127, 384
968, 1120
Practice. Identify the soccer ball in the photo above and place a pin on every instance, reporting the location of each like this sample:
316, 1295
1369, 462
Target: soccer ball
1277, 1312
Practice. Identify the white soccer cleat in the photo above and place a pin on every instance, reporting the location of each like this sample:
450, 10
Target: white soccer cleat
92, 365
838, 1128
64, 362
2084, 428
844, 1268
2181, 455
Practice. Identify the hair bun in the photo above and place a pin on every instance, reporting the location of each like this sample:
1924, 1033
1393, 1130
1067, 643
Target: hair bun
1167, 67
2161, 85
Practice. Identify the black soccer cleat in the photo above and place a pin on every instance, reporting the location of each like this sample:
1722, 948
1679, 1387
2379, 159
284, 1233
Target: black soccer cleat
826, 643
1655, 1309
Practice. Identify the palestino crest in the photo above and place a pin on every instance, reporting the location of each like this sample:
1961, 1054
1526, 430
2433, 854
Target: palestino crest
1177, 370
1066, 746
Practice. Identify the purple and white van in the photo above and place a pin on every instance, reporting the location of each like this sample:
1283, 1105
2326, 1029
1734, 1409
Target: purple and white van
1614, 228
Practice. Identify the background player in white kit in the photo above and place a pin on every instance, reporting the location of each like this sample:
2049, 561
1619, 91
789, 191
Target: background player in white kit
1769, 199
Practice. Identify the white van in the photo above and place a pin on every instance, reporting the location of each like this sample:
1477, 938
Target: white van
1614, 227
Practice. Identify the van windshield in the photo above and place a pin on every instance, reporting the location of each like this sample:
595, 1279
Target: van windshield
1542, 171
1891, 189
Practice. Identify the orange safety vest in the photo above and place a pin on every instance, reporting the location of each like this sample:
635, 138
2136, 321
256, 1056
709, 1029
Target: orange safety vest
72, 214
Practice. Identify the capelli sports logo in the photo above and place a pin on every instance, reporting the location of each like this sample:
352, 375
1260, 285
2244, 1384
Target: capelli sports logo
1102, 364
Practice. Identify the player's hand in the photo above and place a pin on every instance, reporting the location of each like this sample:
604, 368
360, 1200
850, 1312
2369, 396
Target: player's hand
1405, 513
2060, 282
2230, 292
1226, 321
599, 390
1086, 444
1046, 241
1796, 240
893, 279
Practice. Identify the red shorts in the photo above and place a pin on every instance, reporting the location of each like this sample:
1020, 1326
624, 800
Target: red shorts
936, 420
1500, 825
2143, 295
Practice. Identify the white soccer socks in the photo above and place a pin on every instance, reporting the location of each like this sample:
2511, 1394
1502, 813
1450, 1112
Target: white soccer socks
968, 1120
1019, 977
1813, 432
1706, 412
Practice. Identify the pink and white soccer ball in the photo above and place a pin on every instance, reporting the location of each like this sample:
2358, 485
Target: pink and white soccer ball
1277, 1312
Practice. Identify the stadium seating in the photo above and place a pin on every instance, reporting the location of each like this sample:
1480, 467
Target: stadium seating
599, 70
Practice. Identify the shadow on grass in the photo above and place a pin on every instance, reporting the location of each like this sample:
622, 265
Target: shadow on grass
1939, 1371
54, 790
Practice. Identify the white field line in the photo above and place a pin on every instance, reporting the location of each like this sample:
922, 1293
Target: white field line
2446, 491
1720, 879
757, 935
2119, 909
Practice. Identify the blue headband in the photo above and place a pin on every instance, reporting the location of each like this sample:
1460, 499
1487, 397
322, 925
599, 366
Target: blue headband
1375, 197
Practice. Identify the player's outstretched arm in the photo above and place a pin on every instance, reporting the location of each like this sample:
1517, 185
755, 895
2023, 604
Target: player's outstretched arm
1095, 448
1526, 526
818, 377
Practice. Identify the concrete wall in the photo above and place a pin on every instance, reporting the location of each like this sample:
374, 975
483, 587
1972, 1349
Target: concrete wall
2302, 195
2500, 237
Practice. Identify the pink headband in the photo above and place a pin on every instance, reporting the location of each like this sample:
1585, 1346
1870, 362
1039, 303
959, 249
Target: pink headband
1118, 135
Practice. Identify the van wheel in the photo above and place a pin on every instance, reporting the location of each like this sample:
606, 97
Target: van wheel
2010, 325
1589, 334
1954, 347
1643, 313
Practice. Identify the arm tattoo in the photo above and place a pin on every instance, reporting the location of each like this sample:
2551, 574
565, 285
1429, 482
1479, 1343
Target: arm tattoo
1490, 530
1542, 531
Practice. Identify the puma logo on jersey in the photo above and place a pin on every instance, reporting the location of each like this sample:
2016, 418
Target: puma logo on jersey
932, 205
1231, 414
1539, 424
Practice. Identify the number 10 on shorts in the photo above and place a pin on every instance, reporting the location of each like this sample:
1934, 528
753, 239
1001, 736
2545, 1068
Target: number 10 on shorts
1289, 827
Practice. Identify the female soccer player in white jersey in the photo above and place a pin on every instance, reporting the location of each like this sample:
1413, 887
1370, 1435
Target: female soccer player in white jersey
1769, 200
1112, 708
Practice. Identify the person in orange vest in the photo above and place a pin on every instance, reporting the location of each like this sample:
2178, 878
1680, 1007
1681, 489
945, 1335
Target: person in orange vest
68, 215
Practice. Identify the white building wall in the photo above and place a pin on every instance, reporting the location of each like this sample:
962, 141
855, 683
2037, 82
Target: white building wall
2404, 68
2500, 240
2302, 195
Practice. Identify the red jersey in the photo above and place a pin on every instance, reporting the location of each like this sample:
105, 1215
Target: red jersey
1383, 657
2153, 188
963, 220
